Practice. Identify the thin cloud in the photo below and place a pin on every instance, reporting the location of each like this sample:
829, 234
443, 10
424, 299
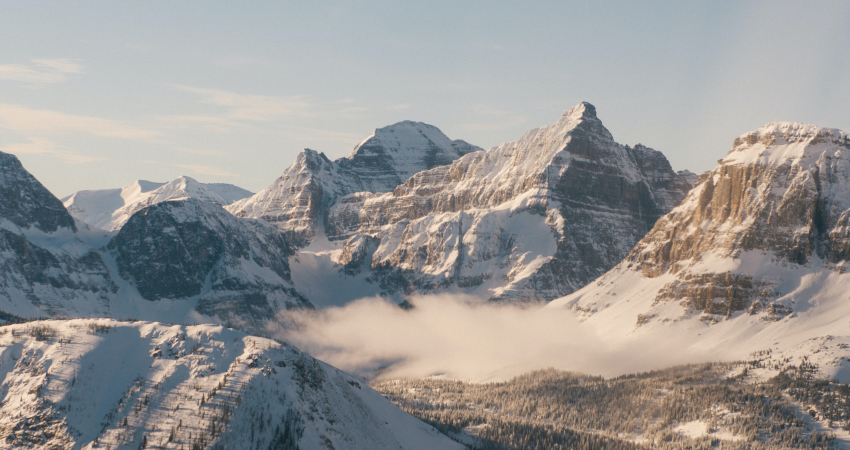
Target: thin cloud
324, 135
259, 108
200, 151
21, 119
41, 71
210, 123
206, 170
463, 338
42, 146
199, 169
491, 118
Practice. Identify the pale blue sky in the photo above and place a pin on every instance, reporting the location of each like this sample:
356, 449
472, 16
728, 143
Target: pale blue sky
96, 94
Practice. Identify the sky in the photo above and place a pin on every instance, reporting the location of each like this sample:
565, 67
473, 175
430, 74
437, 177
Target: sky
98, 94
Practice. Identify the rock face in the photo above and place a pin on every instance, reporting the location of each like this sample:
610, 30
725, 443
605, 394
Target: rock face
109, 209
187, 248
782, 188
296, 201
769, 219
106, 384
528, 220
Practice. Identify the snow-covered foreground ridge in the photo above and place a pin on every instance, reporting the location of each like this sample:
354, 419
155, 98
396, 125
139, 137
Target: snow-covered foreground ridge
101, 383
756, 255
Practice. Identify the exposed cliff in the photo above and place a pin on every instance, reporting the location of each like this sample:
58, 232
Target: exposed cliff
763, 235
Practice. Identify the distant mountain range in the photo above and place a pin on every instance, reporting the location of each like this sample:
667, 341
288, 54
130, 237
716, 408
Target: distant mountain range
109, 209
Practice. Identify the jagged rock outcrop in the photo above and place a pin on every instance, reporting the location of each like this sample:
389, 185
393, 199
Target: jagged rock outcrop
755, 230
297, 200
109, 209
528, 220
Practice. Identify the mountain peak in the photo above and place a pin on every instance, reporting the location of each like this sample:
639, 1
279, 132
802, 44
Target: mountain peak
583, 110
402, 137
25, 202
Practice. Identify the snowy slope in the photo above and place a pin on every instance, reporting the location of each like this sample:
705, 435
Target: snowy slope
109, 209
754, 258
106, 384
297, 200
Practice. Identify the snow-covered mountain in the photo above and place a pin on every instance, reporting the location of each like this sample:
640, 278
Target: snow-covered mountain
105, 384
180, 260
533, 219
297, 200
757, 253
109, 209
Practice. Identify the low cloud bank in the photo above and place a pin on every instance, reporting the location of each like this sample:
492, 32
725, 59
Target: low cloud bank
462, 338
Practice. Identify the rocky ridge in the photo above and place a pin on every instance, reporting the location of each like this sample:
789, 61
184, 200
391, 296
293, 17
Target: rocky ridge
297, 200
25, 202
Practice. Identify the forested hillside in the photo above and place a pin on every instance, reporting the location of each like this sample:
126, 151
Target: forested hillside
703, 406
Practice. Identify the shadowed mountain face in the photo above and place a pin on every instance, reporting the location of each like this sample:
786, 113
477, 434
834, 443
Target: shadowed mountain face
528, 220
188, 248
36, 279
27, 203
